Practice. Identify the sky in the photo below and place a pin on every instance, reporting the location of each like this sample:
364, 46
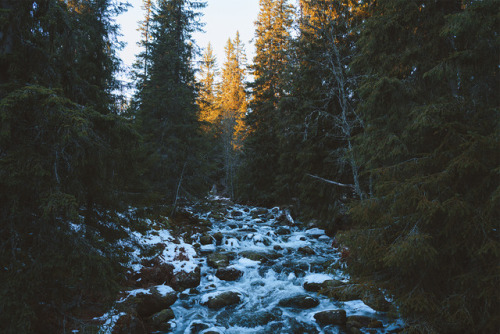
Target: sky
222, 19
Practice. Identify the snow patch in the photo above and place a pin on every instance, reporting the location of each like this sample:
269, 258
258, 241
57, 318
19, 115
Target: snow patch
317, 278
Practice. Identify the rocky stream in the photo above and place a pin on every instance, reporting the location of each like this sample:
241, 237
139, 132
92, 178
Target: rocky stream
238, 269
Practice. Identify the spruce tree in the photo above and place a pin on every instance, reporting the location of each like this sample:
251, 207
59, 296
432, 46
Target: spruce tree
167, 113
207, 103
261, 152
430, 146
62, 154
233, 106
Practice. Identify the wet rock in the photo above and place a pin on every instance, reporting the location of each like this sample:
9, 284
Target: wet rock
159, 321
307, 250
259, 212
297, 326
277, 248
129, 324
218, 238
260, 256
314, 286
301, 301
149, 304
223, 299
247, 230
197, 327
283, 231
228, 274
206, 240
185, 280
343, 293
218, 260
323, 286
236, 213
331, 317
376, 300
359, 321
155, 272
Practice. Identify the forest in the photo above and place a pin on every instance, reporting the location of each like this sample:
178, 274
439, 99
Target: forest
376, 121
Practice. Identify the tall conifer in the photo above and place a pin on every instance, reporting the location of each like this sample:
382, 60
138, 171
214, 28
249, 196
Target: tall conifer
431, 147
261, 150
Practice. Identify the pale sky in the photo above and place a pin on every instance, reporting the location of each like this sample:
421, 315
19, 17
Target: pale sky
222, 19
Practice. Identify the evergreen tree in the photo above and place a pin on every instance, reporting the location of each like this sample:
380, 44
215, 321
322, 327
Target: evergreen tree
428, 232
62, 156
316, 169
208, 89
233, 106
261, 152
167, 113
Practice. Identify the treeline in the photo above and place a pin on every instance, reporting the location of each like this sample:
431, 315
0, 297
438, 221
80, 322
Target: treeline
381, 118
73, 153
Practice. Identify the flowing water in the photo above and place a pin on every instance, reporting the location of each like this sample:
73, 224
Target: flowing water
274, 269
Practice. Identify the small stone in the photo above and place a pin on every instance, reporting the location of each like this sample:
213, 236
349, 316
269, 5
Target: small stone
331, 317
277, 248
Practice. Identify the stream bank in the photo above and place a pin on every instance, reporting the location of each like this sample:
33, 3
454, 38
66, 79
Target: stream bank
229, 268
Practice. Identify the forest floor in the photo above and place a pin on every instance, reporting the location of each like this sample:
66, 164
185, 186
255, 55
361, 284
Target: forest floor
228, 268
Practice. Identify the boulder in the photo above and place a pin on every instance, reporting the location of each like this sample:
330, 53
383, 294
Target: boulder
223, 299
331, 317
376, 300
307, 250
155, 272
301, 301
151, 303
283, 230
197, 327
359, 321
236, 213
260, 256
325, 285
206, 239
218, 238
159, 321
129, 324
184, 280
228, 274
218, 260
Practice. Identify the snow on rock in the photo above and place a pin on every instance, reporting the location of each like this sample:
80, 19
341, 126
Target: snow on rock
315, 232
245, 262
163, 290
317, 278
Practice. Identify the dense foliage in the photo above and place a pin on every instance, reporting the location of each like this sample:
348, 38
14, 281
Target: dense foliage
63, 153
164, 106
379, 118
387, 111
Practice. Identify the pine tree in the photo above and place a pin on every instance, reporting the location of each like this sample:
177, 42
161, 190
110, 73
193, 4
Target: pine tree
233, 106
261, 152
62, 154
208, 89
166, 100
430, 146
